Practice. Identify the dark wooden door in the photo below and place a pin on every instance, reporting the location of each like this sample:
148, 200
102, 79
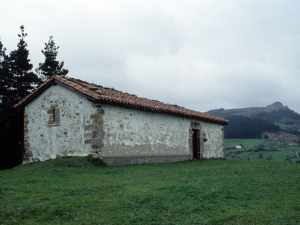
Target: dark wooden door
196, 146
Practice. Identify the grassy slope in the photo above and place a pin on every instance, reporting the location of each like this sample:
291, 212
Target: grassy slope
73, 191
278, 155
246, 142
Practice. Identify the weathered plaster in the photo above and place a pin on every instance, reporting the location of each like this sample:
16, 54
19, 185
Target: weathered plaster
118, 135
214, 144
131, 132
64, 137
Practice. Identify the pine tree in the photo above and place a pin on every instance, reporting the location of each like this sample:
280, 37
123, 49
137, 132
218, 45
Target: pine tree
5, 93
17, 81
5, 78
24, 80
10, 150
51, 66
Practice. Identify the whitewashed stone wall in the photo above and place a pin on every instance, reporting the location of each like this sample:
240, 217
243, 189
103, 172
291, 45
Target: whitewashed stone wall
214, 146
111, 132
141, 133
44, 139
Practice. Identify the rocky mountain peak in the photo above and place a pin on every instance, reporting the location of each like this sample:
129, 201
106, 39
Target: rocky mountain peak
276, 106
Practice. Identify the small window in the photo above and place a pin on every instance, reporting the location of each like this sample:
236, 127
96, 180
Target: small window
54, 117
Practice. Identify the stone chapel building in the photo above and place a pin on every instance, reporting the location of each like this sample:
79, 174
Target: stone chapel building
70, 117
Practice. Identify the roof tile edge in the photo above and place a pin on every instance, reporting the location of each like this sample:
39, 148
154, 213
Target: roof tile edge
110, 95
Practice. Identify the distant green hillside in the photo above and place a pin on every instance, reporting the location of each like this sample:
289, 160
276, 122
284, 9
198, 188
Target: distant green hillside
283, 117
250, 111
244, 127
258, 150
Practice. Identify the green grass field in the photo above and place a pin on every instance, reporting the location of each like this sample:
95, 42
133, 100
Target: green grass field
74, 191
244, 154
246, 142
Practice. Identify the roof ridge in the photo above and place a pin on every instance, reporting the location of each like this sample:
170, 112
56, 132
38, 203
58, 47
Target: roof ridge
107, 95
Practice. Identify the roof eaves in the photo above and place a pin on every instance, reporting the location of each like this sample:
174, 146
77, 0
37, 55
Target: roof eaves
128, 104
76, 87
35, 93
111, 96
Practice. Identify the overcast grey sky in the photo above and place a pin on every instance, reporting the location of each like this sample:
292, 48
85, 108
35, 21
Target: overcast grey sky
201, 54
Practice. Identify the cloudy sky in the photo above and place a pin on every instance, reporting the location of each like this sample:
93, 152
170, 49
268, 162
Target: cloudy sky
200, 54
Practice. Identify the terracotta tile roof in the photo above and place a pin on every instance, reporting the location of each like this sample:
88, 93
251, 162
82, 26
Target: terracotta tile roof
102, 94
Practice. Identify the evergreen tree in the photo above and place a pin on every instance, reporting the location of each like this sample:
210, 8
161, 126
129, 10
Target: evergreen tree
16, 81
10, 151
245, 127
5, 78
51, 66
24, 80
2, 76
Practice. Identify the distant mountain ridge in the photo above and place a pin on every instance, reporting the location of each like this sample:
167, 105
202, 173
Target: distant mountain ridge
276, 113
276, 106
248, 112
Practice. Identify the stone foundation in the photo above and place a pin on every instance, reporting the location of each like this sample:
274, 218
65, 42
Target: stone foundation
118, 161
